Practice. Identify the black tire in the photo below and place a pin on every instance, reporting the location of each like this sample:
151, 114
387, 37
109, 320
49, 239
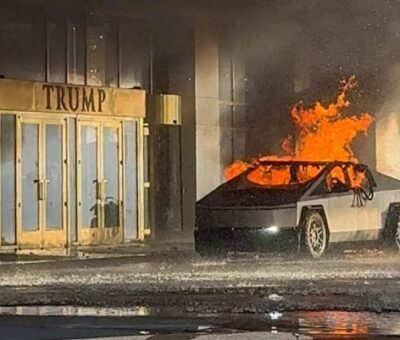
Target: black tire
208, 245
391, 232
315, 234
212, 254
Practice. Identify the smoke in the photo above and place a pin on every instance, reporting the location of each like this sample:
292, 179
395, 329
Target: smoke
300, 50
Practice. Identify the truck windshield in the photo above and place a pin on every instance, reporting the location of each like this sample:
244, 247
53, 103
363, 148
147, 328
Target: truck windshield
290, 174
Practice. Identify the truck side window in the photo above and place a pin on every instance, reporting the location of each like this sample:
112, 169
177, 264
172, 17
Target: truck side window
335, 181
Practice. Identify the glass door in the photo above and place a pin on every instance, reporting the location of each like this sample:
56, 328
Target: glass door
112, 179
99, 182
89, 184
29, 233
54, 183
41, 183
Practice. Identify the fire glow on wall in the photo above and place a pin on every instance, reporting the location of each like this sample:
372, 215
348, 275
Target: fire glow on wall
323, 133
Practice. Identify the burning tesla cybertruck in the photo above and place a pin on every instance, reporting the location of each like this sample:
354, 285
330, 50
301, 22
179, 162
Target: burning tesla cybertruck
304, 206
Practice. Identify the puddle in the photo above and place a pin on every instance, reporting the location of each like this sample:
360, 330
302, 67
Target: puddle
318, 325
338, 323
74, 311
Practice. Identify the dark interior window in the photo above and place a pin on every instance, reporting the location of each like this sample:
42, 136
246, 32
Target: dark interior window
336, 181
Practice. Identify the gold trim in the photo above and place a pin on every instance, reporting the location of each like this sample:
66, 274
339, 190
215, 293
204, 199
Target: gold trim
43, 118
140, 161
1, 196
42, 237
101, 234
166, 109
28, 96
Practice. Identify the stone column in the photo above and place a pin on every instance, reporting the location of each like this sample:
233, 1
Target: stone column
387, 120
388, 127
208, 162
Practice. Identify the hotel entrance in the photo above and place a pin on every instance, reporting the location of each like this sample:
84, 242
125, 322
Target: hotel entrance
100, 181
71, 169
41, 182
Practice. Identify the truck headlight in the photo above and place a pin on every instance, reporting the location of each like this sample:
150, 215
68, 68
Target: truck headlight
272, 230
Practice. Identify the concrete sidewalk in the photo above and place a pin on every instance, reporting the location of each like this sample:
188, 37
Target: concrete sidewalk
94, 252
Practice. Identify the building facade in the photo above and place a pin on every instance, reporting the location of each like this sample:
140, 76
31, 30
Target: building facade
73, 83
167, 93
71, 164
86, 158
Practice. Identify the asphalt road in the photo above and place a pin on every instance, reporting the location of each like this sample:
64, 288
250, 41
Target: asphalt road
89, 327
51, 325
187, 269
183, 282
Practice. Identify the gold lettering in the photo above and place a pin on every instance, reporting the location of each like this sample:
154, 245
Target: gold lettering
88, 101
48, 88
102, 98
60, 99
73, 100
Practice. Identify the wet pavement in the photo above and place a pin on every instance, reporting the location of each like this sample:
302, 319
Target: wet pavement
186, 270
50, 328
68, 322
172, 293
360, 281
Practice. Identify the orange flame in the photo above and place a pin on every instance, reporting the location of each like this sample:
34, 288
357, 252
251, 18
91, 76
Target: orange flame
322, 134
339, 323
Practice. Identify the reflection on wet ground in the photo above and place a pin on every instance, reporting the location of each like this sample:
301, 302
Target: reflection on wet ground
188, 294
74, 311
144, 320
339, 323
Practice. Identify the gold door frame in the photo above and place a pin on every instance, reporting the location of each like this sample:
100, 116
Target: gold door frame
100, 234
86, 235
67, 169
140, 180
31, 239
41, 238
54, 235
116, 234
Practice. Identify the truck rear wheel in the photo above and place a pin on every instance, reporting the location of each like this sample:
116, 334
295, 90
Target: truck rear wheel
315, 234
391, 232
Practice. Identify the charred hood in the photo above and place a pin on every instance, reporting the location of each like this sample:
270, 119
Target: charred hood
229, 195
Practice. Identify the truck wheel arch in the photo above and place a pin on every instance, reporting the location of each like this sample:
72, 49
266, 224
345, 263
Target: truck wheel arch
317, 208
391, 221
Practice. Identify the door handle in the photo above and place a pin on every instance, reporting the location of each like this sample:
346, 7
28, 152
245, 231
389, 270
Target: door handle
41, 188
100, 191
39, 191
